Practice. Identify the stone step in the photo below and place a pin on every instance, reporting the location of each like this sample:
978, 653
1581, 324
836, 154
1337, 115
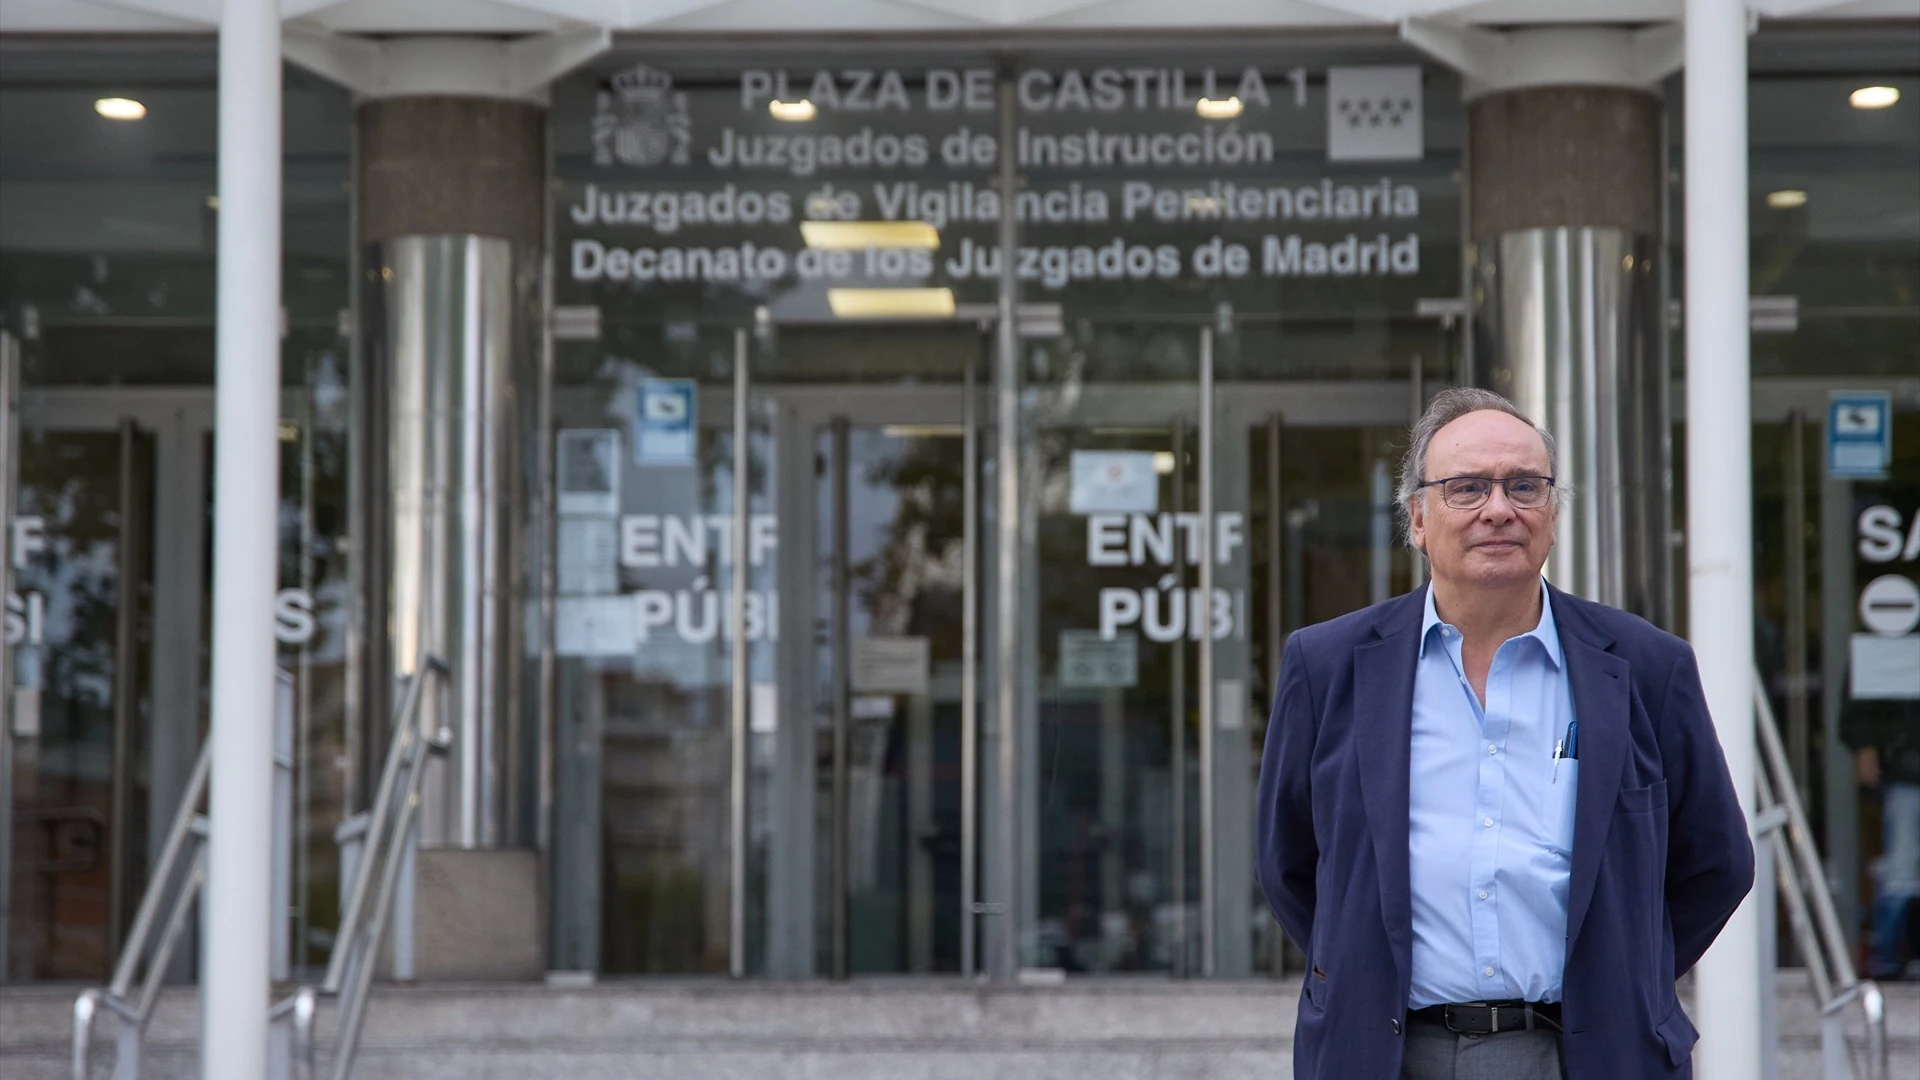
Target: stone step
904, 1028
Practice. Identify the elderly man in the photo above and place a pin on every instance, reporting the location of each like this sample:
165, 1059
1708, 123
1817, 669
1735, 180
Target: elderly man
1494, 816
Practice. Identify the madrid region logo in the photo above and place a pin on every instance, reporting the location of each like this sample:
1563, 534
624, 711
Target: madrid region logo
641, 120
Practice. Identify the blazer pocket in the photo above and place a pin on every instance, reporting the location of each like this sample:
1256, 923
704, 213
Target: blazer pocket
1316, 987
1678, 1033
1642, 799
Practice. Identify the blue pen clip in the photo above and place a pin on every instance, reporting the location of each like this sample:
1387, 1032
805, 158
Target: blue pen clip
1573, 739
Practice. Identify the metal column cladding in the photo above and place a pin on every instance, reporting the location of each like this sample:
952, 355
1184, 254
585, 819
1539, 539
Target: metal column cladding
1570, 331
451, 339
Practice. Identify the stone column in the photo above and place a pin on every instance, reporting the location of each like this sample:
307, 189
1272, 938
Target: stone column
1565, 200
1567, 275
450, 221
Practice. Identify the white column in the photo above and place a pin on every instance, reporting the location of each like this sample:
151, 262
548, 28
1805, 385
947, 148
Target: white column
1720, 486
233, 985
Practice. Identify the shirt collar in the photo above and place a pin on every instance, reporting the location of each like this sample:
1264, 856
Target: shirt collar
1546, 631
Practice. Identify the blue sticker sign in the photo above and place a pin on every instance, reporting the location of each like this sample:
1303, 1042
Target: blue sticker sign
1859, 434
665, 428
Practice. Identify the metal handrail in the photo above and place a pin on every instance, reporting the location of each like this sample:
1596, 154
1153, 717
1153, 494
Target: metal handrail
189, 828
363, 927
1802, 881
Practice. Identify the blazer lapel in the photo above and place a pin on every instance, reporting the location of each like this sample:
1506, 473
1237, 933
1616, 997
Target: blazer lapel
1383, 673
1598, 681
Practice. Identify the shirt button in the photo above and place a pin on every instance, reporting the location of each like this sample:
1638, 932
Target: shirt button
1493, 750
1483, 894
1488, 972
1488, 823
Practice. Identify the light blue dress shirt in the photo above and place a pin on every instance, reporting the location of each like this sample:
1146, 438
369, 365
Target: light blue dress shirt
1490, 819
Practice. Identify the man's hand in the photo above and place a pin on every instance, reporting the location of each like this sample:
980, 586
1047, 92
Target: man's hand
1866, 765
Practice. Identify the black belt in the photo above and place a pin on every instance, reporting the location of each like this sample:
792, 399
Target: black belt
1490, 1017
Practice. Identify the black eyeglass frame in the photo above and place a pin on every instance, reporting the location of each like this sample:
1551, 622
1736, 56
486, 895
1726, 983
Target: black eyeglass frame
1503, 481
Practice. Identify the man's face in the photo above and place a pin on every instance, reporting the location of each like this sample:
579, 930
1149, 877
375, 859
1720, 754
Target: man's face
1497, 544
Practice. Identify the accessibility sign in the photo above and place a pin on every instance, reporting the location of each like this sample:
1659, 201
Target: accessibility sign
1859, 434
665, 427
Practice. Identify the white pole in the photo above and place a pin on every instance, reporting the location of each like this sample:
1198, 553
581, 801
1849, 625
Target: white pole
1720, 486
233, 985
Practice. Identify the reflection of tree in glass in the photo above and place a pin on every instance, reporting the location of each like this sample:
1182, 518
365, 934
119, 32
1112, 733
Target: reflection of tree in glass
913, 585
72, 482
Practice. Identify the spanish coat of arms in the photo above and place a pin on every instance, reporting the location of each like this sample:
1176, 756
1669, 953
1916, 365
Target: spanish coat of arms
641, 120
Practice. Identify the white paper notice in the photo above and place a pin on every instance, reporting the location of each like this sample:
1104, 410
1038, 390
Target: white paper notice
1230, 704
1885, 668
587, 550
763, 710
587, 462
876, 707
891, 665
26, 712
1114, 482
1088, 661
593, 626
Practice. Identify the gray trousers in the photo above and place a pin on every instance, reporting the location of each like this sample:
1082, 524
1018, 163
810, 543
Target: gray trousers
1434, 1053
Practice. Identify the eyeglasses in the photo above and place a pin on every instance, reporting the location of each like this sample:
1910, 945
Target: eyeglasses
1472, 492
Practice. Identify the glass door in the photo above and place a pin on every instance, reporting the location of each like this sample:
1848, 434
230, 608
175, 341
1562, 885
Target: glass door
1119, 611
1186, 515
107, 551
829, 838
651, 483
891, 535
79, 623
882, 664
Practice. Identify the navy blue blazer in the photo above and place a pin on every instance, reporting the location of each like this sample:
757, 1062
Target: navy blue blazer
1661, 854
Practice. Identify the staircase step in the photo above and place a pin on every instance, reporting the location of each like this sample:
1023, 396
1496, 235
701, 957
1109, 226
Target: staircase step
897, 1029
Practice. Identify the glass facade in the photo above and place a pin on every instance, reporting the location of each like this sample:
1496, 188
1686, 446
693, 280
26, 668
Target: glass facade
107, 281
776, 338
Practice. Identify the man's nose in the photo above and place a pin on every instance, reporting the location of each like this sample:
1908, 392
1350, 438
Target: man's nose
1497, 508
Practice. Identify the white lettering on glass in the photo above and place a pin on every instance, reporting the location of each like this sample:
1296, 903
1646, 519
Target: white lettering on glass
1880, 535
1148, 539
651, 540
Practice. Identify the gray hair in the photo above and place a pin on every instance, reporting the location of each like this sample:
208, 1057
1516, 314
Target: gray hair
1447, 406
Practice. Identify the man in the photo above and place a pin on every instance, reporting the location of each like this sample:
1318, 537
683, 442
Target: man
1448, 774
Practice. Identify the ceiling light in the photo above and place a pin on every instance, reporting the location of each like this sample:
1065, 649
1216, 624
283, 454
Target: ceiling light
1874, 97
891, 303
119, 108
1163, 462
1787, 199
1218, 108
792, 111
860, 235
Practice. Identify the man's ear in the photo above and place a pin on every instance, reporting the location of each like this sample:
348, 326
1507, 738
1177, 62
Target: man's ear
1417, 522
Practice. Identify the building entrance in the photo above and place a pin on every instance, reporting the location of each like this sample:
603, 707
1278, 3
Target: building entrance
869, 688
